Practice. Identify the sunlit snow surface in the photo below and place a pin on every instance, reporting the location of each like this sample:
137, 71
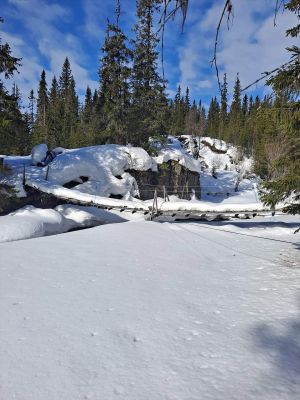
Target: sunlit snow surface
148, 311
106, 168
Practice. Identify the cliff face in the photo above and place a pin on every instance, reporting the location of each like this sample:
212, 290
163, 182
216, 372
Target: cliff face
177, 180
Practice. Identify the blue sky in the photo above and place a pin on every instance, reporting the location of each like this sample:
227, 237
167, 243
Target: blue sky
44, 32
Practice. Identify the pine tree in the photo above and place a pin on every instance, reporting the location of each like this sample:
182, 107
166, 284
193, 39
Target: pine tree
148, 89
114, 82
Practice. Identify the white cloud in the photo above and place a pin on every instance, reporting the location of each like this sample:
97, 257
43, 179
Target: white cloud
96, 13
46, 40
252, 44
30, 68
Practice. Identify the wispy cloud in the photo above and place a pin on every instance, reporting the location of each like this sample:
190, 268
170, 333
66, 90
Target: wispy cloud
49, 41
252, 44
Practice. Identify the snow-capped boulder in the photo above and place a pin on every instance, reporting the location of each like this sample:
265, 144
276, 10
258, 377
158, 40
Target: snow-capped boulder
39, 154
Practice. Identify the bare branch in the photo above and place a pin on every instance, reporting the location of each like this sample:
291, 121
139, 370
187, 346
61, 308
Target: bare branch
268, 73
278, 5
227, 8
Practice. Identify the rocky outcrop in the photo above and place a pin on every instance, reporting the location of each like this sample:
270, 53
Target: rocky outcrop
34, 198
213, 147
177, 180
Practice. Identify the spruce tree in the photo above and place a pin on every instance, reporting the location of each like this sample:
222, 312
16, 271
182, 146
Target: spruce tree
286, 111
223, 109
40, 128
69, 105
178, 115
31, 108
55, 115
114, 75
213, 118
12, 124
8, 63
235, 114
187, 102
148, 89
88, 106
191, 119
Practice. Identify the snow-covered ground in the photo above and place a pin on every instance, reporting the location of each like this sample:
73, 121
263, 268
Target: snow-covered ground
149, 311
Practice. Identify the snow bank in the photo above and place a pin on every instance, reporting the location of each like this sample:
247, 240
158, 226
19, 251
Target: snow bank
30, 222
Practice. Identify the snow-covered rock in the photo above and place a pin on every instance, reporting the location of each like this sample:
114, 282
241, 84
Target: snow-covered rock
39, 153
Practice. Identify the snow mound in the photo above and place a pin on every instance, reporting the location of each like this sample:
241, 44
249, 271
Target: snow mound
100, 170
39, 153
183, 158
30, 222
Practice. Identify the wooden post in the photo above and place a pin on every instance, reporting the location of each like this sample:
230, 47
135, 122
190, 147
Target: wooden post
154, 206
166, 196
24, 175
47, 172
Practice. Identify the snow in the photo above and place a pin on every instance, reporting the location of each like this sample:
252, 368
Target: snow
104, 166
142, 310
186, 160
39, 153
99, 172
64, 193
30, 222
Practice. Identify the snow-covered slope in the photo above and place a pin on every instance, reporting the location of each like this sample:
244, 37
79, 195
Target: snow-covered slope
148, 311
